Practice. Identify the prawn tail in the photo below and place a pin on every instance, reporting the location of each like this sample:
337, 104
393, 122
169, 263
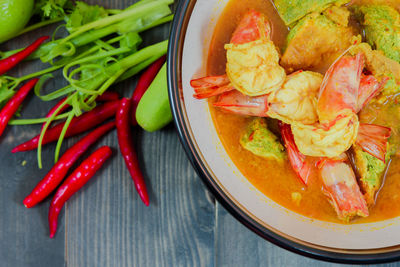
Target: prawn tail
373, 139
209, 86
369, 88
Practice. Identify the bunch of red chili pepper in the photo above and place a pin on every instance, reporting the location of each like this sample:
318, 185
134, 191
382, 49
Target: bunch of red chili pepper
122, 109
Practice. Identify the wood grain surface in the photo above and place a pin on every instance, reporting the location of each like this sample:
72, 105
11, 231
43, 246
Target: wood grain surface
106, 224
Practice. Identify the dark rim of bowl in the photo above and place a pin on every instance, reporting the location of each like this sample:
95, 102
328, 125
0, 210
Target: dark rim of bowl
176, 42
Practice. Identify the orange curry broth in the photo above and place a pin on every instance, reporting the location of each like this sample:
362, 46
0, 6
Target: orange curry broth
278, 181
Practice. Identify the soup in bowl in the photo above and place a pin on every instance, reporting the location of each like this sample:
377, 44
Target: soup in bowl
287, 113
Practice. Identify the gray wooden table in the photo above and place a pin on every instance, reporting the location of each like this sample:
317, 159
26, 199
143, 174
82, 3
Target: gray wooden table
106, 224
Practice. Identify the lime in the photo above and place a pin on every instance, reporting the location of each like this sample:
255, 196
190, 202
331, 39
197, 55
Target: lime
14, 15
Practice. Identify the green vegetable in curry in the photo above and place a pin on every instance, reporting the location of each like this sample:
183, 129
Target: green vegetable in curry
370, 171
259, 140
382, 28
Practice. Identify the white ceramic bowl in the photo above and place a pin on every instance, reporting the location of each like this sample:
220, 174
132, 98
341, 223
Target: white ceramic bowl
354, 243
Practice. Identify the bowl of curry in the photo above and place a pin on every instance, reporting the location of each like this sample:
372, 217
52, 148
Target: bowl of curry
289, 112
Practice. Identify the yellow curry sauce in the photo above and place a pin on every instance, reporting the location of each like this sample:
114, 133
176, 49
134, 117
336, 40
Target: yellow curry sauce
275, 180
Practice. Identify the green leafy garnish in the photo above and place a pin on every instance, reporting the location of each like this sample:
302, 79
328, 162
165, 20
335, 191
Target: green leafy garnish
51, 9
83, 14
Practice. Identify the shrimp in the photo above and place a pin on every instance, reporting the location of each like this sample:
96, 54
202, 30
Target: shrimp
296, 101
344, 91
321, 141
339, 90
252, 58
337, 106
338, 178
340, 185
252, 62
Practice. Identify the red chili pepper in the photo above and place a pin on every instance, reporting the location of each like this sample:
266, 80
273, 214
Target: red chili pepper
127, 149
106, 96
13, 104
60, 169
144, 83
10, 62
74, 182
78, 125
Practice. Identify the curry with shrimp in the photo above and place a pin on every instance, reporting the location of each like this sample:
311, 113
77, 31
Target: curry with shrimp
304, 97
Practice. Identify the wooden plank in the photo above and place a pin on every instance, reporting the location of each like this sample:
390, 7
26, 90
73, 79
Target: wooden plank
24, 237
108, 225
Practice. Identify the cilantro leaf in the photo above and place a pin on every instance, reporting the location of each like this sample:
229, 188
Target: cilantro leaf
51, 9
83, 14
